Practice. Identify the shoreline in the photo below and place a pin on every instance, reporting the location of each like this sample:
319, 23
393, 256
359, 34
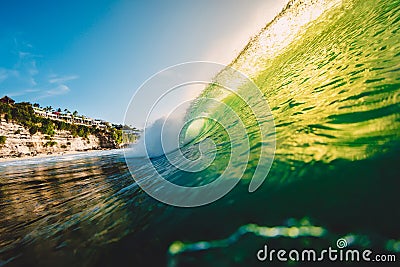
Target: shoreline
54, 154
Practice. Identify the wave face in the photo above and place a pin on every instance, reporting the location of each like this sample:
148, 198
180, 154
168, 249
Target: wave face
330, 72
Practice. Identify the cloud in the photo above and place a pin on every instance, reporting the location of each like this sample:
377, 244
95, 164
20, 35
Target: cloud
22, 73
31, 90
24, 76
63, 79
3, 75
57, 82
59, 90
7, 73
23, 92
22, 54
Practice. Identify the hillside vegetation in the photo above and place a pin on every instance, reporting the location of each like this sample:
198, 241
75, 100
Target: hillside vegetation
23, 114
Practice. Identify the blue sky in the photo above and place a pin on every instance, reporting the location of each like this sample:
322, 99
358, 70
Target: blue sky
91, 56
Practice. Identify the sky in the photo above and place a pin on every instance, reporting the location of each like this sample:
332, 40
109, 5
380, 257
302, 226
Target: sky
91, 56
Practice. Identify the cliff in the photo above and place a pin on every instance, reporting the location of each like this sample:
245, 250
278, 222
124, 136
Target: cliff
20, 143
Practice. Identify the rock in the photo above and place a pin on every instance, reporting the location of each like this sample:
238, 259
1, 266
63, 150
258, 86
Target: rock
36, 144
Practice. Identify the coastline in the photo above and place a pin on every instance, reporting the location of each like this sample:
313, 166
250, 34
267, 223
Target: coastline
20, 144
53, 155
28, 131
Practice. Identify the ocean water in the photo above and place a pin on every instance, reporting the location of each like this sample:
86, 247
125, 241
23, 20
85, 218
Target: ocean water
330, 71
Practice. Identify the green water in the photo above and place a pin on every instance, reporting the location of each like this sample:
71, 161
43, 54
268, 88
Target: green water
334, 95
330, 71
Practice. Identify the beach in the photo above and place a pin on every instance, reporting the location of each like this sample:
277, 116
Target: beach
51, 155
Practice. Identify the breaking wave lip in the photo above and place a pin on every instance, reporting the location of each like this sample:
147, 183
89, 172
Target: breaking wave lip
149, 143
153, 142
279, 33
160, 138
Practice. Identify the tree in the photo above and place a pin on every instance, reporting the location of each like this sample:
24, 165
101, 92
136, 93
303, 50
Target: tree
36, 105
34, 129
8, 117
59, 110
4, 108
75, 113
3, 140
47, 127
